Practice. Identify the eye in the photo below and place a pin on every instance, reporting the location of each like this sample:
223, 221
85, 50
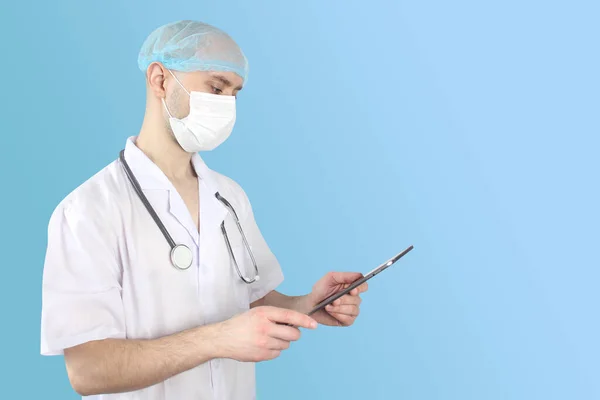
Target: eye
216, 90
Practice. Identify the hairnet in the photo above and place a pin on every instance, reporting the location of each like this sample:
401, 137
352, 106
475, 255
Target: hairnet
193, 46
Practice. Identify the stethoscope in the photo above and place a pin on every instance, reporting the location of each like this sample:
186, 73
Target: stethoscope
181, 255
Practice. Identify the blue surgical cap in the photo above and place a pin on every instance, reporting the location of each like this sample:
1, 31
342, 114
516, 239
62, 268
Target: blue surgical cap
193, 46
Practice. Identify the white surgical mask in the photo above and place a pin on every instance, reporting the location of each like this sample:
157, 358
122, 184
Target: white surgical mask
208, 124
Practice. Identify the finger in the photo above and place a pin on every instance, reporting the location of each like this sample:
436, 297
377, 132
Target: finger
283, 332
345, 277
277, 344
290, 317
344, 320
355, 300
271, 354
351, 310
347, 299
363, 288
360, 289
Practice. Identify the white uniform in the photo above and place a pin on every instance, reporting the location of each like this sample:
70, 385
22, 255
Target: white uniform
108, 273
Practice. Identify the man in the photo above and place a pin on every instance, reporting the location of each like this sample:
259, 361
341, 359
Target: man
150, 306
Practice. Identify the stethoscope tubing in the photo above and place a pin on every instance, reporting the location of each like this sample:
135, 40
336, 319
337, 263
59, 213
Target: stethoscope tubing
142, 196
138, 189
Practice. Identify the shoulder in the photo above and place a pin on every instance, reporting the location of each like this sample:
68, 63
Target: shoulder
94, 201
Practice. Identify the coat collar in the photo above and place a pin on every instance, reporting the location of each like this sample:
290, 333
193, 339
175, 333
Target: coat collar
150, 177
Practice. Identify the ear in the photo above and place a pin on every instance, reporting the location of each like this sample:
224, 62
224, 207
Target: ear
156, 76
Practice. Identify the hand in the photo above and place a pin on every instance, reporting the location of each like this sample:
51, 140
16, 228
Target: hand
257, 335
343, 311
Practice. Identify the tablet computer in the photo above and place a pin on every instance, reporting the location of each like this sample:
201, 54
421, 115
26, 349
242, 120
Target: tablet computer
360, 281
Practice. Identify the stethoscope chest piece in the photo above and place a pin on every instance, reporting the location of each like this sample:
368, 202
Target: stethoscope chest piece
181, 256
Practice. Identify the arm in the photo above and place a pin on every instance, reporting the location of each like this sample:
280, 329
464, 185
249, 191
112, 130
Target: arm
123, 365
276, 299
342, 312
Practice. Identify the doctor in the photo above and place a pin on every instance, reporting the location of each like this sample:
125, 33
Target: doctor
157, 282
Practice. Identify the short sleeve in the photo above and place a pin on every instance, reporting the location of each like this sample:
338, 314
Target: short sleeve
269, 270
81, 290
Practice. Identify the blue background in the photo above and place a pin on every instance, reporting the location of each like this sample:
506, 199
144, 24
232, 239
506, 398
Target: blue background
468, 129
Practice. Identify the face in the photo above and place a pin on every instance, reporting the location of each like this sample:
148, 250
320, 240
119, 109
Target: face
214, 82
163, 85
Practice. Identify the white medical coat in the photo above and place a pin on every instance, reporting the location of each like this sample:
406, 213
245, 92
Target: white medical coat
108, 274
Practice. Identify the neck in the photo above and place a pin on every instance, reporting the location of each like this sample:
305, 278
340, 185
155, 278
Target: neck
157, 142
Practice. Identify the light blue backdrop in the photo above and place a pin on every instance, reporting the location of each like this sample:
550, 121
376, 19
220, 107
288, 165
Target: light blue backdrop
468, 129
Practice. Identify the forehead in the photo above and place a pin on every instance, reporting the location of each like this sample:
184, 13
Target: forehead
225, 78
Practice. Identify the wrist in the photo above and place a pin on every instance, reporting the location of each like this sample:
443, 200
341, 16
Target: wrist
302, 304
209, 341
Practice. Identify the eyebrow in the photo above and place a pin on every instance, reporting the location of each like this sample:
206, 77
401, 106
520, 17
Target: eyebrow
226, 81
